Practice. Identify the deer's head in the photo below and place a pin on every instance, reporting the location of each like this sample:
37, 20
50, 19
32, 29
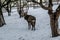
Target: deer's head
23, 14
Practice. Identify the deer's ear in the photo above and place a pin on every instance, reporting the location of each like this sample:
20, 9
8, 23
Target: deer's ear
25, 13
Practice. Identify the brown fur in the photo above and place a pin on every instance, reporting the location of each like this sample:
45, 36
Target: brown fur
31, 21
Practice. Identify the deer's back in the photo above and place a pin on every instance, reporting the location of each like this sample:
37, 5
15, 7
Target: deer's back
29, 18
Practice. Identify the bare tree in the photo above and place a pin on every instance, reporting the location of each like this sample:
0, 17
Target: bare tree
2, 21
8, 7
20, 5
57, 1
8, 10
53, 16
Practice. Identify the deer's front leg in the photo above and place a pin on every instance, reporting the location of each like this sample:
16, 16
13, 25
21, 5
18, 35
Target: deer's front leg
33, 25
29, 25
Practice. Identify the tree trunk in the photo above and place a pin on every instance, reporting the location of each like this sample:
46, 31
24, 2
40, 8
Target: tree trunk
18, 8
54, 23
8, 10
53, 20
2, 21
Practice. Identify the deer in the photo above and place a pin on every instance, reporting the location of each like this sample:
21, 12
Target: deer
31, 20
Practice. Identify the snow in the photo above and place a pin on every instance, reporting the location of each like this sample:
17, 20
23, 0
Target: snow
17, 29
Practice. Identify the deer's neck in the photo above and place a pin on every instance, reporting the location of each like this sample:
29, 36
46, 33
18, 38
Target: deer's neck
26, 17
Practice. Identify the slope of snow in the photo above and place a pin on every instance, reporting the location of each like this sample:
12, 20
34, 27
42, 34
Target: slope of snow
17, 29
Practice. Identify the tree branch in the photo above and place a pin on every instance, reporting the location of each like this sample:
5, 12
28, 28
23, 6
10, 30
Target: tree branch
6, 3
46, 8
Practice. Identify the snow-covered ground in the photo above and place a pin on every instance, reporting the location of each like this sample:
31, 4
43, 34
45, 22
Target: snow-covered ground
17, 29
